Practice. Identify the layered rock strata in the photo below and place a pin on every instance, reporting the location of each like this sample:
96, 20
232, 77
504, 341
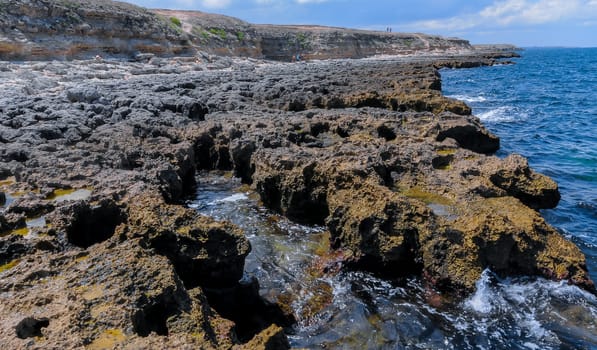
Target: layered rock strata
75, 29
96, 157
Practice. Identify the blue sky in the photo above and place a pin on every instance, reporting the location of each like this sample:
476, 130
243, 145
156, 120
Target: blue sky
520, 22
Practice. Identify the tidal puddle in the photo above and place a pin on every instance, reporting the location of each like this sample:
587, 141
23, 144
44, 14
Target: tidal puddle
5, 202
29, 231
61, 195
338, 309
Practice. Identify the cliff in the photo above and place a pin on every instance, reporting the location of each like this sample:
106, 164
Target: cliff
75, 29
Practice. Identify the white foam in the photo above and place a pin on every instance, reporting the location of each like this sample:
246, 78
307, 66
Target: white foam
481, 301
469, 99
531, 346
502, 114
233, 198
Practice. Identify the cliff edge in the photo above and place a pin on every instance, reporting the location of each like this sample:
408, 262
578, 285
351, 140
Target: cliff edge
76, 29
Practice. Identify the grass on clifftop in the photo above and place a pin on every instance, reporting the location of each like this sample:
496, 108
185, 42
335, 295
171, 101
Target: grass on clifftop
176, 22
219, 32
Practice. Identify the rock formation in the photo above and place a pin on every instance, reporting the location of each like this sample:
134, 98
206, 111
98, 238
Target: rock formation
50, 29
96, 157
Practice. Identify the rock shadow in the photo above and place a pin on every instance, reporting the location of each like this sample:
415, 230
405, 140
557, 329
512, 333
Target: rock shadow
31, 327
91, 224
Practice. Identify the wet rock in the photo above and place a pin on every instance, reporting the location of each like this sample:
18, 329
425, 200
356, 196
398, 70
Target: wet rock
251, 314
291, 185
397, 172
204, 252
515, 177
272, 338
505, 236
468, 133
379, 228
413, 209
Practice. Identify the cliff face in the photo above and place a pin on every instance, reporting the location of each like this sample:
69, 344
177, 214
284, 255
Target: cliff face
43, 29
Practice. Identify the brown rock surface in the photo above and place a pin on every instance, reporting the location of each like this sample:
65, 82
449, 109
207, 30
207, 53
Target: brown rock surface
98, 250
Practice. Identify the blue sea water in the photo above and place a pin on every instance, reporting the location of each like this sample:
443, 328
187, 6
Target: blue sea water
545, 108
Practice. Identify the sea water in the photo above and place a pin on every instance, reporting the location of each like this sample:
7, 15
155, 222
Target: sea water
545, 108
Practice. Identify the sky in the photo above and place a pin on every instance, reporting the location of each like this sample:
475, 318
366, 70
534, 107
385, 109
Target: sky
526, 23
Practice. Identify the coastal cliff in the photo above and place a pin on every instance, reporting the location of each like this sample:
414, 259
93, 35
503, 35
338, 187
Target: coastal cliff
97, 158
75, 29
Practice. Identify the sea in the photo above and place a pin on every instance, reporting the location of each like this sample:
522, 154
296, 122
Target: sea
543, 107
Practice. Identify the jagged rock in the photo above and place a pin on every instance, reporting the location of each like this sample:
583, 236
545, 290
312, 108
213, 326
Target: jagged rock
272, 338
398, 173
13, 247
504, 235
203, 251
112, 295
10, 221
380, 229
515, 177
468, 133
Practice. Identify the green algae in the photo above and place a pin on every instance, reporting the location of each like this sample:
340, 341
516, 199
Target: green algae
9, 265
8, 181
426, 197
108, 339
446, 152
23, 231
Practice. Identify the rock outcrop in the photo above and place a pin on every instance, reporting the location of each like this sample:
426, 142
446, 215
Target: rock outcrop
42, 29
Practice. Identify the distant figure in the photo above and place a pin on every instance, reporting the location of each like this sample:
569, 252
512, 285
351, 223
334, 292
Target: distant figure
390, 29
298, 57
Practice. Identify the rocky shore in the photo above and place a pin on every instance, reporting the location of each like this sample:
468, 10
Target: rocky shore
98, 250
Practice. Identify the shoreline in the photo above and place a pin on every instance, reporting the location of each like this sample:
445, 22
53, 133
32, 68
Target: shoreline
401, 176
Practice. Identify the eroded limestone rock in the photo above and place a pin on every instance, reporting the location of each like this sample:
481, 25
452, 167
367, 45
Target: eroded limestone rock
403, 178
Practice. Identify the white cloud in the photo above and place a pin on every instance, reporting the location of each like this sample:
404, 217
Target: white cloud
513, 12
